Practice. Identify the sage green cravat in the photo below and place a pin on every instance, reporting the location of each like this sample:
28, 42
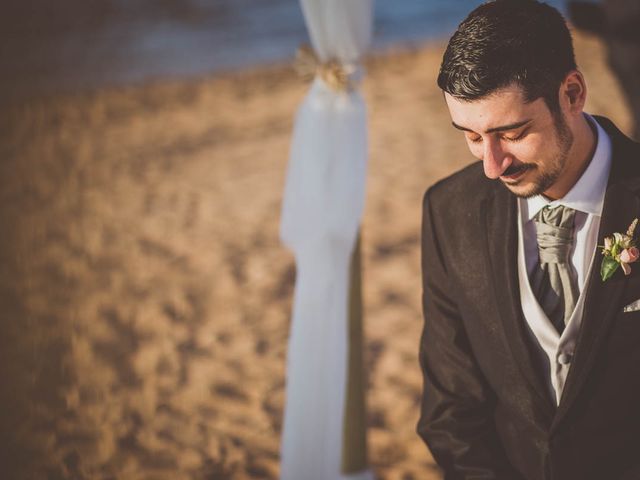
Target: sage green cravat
555, 281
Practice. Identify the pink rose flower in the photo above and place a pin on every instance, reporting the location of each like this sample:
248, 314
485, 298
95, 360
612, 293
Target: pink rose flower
625, 268
629, 255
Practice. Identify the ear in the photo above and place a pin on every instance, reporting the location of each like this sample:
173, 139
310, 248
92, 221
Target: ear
573, 93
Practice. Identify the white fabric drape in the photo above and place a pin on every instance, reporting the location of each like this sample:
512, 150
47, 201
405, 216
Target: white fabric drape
321, 212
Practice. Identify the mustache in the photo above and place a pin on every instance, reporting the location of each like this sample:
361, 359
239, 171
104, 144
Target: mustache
514, 169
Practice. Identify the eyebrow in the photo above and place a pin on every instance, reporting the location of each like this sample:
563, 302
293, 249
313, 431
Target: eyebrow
502, 128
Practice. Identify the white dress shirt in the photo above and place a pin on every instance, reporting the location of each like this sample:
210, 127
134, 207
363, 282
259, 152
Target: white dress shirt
587, 198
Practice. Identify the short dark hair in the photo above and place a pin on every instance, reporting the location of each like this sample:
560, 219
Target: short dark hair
507, 41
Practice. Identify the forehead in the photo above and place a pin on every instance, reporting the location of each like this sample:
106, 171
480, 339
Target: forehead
505, 106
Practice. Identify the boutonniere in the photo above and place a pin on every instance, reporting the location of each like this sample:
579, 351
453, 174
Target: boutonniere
619, 250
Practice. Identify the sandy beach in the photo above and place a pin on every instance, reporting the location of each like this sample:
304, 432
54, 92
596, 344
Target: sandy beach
146, 295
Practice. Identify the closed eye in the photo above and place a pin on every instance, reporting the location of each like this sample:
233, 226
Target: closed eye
520, 136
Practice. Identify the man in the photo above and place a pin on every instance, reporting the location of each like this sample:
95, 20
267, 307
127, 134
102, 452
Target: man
531, 361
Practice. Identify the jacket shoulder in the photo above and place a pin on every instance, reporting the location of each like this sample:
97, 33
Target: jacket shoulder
625, 166
459, 191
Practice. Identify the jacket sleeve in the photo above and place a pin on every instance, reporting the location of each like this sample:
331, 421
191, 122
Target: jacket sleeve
456, 420
632, 473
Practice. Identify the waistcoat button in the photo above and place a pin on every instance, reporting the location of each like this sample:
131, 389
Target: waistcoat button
565, 358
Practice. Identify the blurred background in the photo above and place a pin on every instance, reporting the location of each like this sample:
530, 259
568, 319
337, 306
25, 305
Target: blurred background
145, 295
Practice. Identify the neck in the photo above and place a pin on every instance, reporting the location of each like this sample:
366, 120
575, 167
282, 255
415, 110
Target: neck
579, 157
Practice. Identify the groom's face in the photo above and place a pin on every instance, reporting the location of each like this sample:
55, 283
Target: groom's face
522, 144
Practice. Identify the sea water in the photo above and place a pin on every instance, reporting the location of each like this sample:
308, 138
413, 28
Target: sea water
72, 45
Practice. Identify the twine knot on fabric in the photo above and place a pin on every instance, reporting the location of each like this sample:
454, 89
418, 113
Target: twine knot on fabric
335, 74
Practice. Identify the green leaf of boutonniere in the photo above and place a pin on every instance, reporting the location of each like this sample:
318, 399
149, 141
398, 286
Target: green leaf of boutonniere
608, 268
619, 250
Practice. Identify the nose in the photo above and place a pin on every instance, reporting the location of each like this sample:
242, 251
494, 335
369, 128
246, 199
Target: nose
494, 159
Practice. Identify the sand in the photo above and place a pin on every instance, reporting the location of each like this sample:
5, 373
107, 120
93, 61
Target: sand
145, 293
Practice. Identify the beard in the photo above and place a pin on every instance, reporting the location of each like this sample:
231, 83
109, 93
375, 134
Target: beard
546, 178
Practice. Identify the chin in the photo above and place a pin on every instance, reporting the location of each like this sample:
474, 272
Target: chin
528, 187
524, 189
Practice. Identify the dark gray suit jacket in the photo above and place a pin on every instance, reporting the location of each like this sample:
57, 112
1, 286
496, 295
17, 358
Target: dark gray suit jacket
486, 413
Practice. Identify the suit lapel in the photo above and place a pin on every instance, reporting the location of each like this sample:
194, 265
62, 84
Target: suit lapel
602, 302
501, 217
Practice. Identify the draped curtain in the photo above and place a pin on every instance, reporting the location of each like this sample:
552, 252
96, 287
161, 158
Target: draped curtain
321, 212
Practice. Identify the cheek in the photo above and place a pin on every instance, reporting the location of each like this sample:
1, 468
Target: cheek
476, 148
530, 151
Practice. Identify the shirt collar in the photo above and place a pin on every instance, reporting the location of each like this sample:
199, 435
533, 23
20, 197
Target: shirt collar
587, 195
